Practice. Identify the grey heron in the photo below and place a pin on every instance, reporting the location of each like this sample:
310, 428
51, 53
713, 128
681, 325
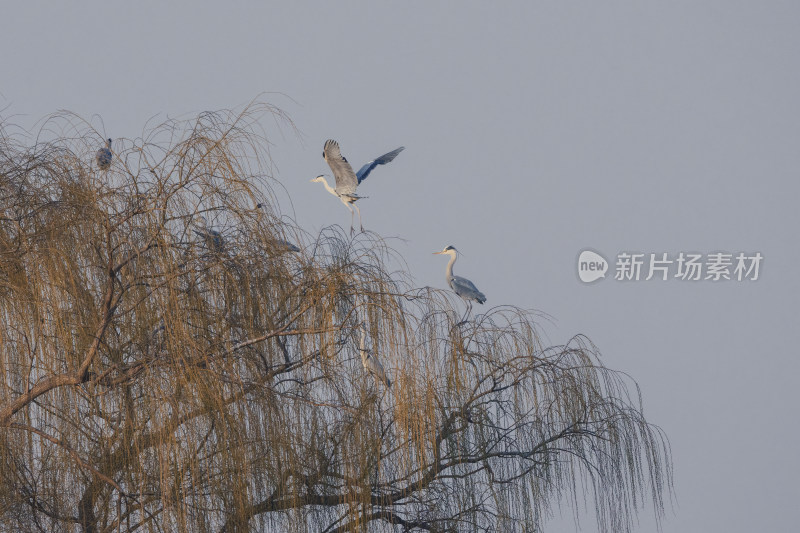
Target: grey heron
211, 238
281, 245
346, 179
103, 156
285, 246
370, 362
461, 286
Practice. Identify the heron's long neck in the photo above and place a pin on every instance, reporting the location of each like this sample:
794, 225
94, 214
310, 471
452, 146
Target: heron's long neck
328, 187
363, 349
449, 272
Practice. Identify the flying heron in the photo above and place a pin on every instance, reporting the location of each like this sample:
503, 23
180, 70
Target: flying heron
212, 238
461, 286
103, 156
346, 179
370, 362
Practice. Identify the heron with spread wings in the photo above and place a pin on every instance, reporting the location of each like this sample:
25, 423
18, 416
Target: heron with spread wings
346, 179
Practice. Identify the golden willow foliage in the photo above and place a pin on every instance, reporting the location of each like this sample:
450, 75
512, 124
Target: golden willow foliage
152, 381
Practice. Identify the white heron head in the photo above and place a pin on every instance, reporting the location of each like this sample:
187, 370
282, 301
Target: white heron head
449, 250
319, 179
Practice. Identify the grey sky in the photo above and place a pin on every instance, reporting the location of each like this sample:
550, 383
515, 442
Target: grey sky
532, 130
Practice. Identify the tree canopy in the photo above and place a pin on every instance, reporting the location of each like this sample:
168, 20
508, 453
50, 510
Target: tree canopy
155, 377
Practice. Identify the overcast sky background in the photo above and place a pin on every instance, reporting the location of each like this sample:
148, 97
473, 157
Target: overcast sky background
532, 130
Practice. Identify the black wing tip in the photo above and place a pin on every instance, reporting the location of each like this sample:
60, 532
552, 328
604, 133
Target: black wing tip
330, 143
389, 156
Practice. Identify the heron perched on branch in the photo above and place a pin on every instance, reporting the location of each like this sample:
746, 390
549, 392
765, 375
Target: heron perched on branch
461, 286
346, 179
103, 156
281, 245
285, 246
370, 362
211, 238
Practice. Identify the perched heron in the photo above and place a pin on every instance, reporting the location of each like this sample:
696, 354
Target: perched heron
285, 246
103, 156
461, 286
212, 238
370, 362
346, 179
281, 245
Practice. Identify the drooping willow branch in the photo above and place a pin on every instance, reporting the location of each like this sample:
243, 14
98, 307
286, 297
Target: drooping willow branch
151, 381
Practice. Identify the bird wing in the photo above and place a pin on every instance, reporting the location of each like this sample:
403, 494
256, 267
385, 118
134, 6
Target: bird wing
346, 180
364, 171
466, 289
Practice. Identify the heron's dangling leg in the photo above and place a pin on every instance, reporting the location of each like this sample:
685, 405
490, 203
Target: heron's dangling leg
347, 205
359, 218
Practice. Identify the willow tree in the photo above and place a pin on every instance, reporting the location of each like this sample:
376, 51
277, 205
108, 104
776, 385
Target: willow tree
157, 380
